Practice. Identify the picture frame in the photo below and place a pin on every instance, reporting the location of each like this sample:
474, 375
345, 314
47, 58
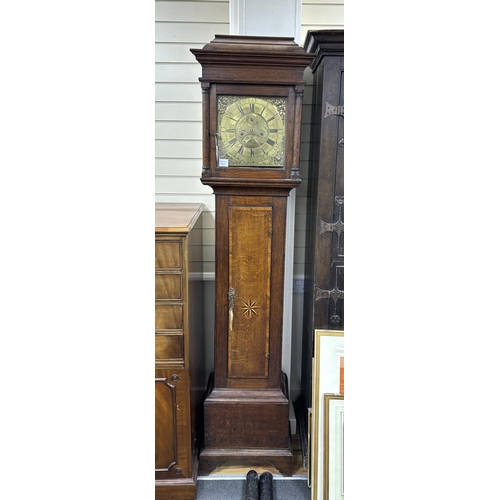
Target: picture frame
326, 379
334, 447
309, 446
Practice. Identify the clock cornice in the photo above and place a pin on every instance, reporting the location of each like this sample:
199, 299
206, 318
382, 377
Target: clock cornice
235, 58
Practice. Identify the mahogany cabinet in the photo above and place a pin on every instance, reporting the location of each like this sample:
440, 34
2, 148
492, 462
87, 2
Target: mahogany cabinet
179, 367
324, 267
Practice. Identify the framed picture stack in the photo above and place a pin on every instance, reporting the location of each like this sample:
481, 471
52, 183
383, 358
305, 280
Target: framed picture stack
326, 465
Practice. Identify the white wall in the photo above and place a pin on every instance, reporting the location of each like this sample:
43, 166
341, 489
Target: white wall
321, 14
180, 26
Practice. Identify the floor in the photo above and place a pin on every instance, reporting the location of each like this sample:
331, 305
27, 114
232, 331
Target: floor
228, 482
235, 489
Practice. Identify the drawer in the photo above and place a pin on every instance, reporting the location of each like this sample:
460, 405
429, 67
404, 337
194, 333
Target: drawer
173, 445
168, 254
170, 346
169, 316
168, 286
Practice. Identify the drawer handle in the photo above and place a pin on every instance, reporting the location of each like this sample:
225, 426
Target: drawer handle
231, 295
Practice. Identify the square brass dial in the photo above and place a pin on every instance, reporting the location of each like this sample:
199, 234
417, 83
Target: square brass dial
251, 131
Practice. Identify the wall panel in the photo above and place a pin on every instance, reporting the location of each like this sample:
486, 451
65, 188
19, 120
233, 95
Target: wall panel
188, 32
178, 52
178, 110
179, 91
178, 148
191, 11
188, 167
176, 72
317, 14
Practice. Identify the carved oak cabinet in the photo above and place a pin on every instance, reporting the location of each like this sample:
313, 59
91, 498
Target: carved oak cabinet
178, 348
324, 261
252, 89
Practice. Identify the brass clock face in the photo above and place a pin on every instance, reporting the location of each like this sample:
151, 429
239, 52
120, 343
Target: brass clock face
251, 131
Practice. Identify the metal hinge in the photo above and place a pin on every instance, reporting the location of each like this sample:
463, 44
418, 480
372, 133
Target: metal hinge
333, 110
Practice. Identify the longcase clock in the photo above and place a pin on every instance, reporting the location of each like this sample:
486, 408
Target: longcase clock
252, 89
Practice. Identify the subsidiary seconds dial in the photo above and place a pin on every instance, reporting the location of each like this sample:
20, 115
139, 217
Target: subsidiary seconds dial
252, 130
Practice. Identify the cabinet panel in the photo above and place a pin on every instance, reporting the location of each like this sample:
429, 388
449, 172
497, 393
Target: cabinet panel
168, 286
169, 346
169, 316
168, 255
172, 425
250, 278
165, 423
328, 191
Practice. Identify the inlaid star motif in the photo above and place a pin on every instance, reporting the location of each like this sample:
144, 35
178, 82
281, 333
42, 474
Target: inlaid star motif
249, 308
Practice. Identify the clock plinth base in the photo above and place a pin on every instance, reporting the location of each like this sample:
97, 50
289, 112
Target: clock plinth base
247, 426
181, 489
282, 460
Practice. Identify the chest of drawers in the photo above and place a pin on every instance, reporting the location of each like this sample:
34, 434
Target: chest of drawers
179, 348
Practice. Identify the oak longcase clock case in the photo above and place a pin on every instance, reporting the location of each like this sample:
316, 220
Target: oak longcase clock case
252, 89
